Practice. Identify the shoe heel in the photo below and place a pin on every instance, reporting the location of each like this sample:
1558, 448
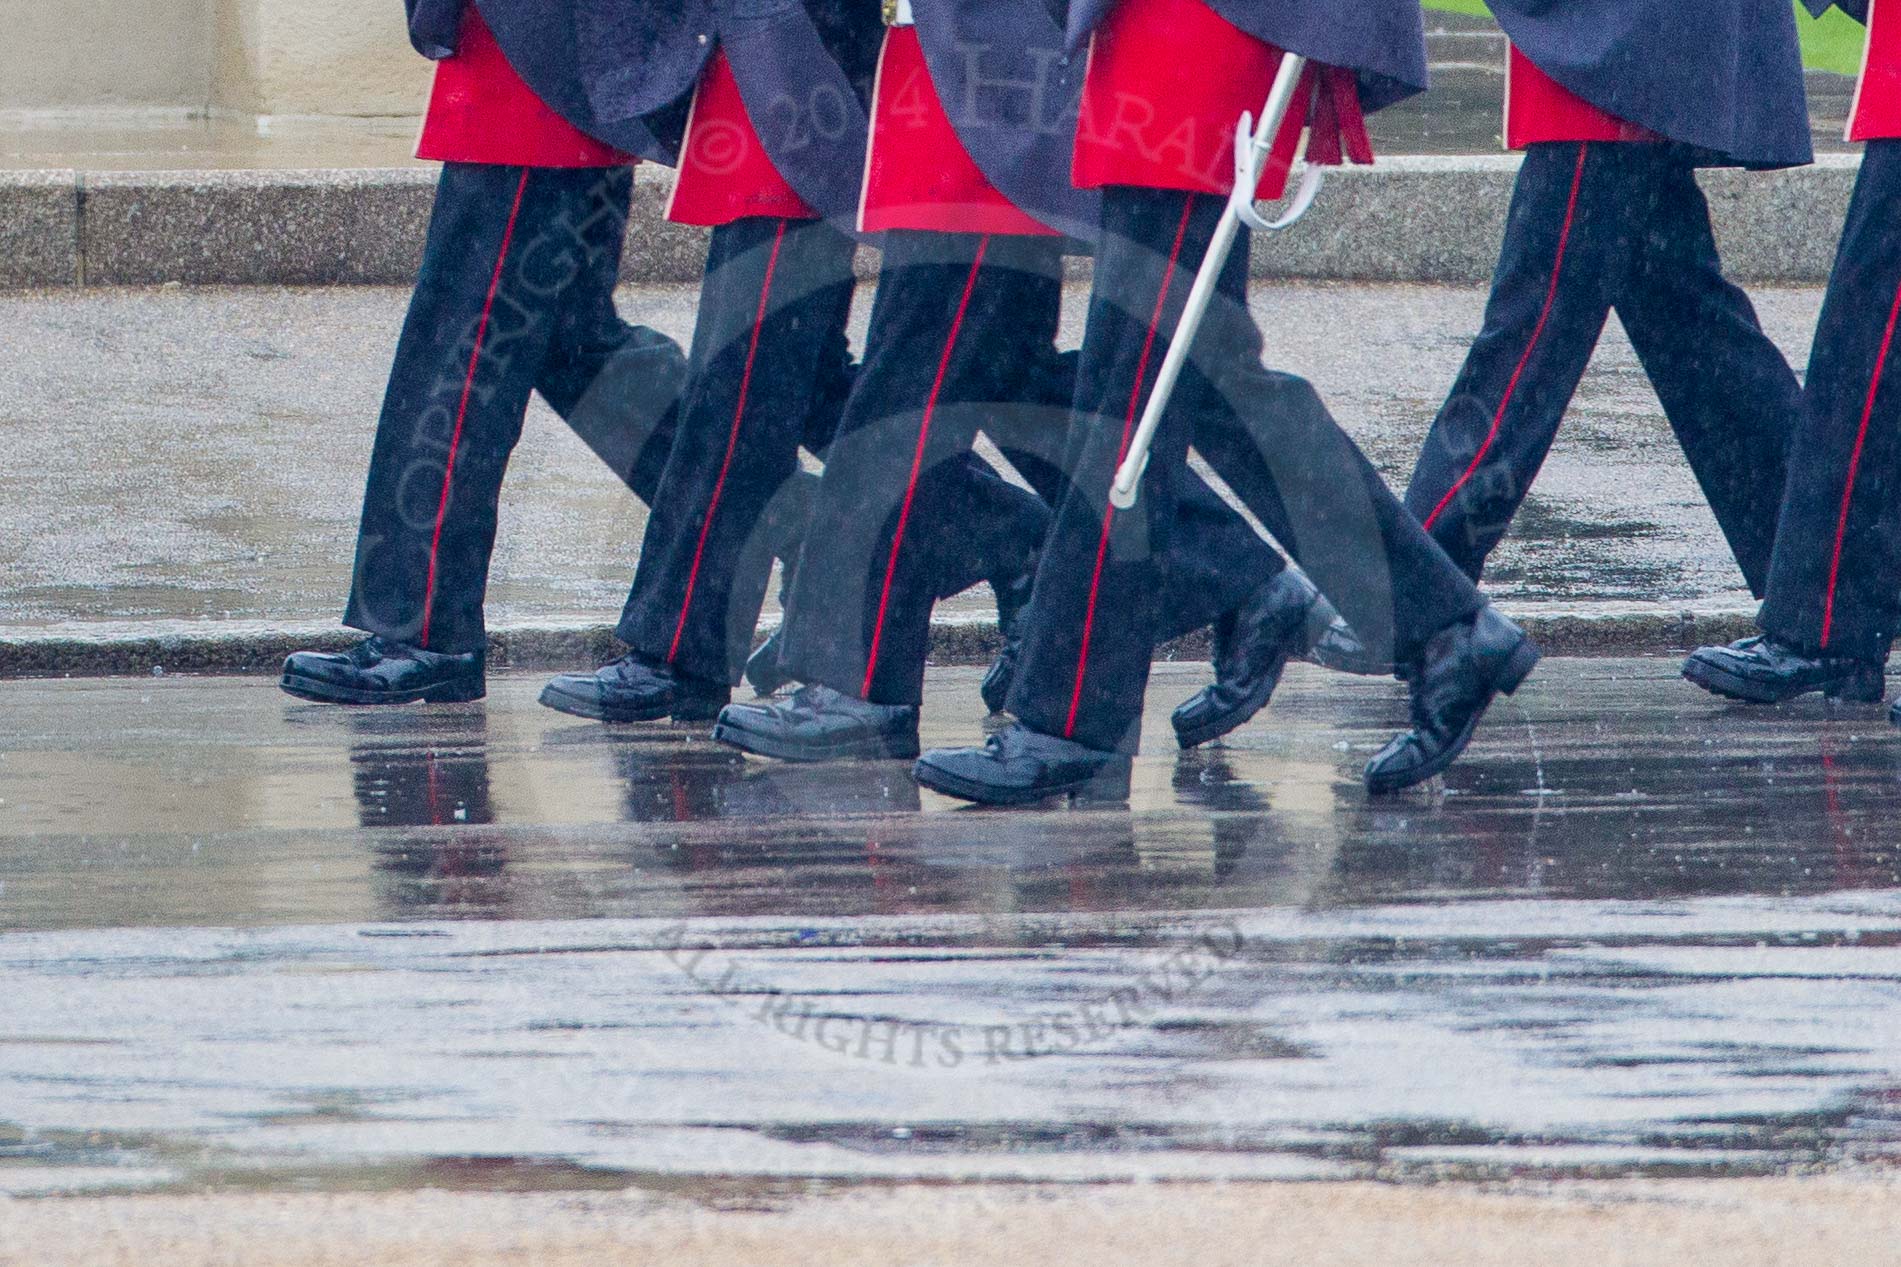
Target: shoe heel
1868, 684
1524, 659
457, 692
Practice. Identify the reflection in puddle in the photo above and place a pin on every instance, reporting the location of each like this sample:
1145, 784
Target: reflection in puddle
501, 949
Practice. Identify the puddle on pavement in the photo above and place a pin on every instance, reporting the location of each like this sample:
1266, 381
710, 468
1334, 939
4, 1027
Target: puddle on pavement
253, 944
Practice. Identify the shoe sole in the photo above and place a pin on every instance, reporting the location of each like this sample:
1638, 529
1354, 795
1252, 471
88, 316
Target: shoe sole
1097, 787
1524, 659
878, 748
320, 692
1720, 681
582, 706
1234, 718
592, 709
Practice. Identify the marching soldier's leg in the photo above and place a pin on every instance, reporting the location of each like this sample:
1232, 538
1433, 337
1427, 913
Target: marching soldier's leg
1550, 296
1095, 616
1097, 609
964, 558
952, 315
782, 524
1029, 427
1256, 612
1728, 392
475, 342
958, 562
1219, 573
1216, 572
903, 506
1272, 439
994, 541
618, 387
1832, 607
776, 298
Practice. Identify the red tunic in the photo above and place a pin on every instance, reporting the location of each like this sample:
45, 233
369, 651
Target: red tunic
1539, 108
725, 172
1877, 112
918, 175
1155, 117
480, 111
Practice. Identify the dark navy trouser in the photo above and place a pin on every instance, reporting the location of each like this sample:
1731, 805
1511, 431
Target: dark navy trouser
768, 373
1592, 227
1104, 596
961, 325
515, 295
1835, 583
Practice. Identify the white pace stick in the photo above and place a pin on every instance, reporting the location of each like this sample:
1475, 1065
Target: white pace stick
1252, 146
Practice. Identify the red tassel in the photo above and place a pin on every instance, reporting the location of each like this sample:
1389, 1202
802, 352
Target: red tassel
1338, 126
1323, 136
1346, 101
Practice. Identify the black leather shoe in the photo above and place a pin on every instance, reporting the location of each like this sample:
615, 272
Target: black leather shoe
1013, 601
1463, 668
630, 689
377, 671
1018, 766
820, 724
1252, 647
764, 670
1332, 644
1764, 671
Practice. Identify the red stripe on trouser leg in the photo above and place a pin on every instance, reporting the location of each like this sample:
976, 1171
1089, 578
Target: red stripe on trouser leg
1854, 467
1537, 332
462, 409
732, 442
1122, 452
917, 463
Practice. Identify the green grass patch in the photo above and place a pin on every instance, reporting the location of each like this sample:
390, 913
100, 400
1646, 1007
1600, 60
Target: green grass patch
1831, 42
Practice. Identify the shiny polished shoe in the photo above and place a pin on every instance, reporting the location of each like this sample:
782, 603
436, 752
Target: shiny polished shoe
1252, 648
1018, 766
1761, 670
378, 671
1464, 667
630, 689
1013, 601
1333, 644
765, 671
820, 724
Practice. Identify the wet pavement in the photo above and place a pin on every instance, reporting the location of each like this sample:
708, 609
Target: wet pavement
194, 459
256, 943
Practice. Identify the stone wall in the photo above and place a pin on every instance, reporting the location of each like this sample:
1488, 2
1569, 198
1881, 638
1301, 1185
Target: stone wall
263, 57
